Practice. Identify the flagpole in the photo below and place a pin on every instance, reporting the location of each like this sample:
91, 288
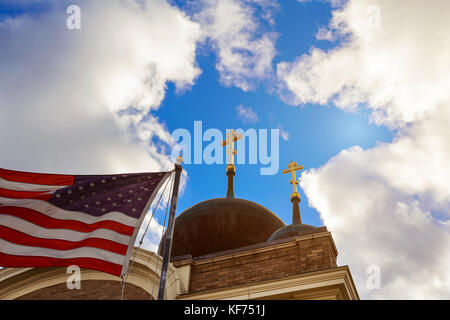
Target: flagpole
169, 233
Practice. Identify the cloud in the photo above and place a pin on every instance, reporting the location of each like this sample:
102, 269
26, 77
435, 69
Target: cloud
152, 236
333, 3
80, 101
389, 205
243, 48
284, 134
247, 115
376, 66
325, 34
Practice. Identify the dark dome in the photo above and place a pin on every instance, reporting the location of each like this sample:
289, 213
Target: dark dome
221, 224
292, 230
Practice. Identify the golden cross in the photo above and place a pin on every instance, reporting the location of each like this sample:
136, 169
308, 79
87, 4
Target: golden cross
232, 137
292, 168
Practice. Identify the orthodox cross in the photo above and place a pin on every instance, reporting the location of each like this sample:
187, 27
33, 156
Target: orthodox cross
292, 167
232, 137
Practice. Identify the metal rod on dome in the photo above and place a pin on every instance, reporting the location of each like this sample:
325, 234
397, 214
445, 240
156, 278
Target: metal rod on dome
169, 233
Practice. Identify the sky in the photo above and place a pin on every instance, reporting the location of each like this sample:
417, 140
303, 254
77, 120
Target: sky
358, 90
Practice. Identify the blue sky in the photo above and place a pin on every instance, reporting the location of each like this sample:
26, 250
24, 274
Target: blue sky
316, 133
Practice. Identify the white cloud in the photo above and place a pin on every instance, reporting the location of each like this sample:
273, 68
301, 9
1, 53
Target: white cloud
378, 66
384, 207
244, 52
333, 3
153, 235
389, 205
284, 134
325, 34
65, 98
247, 115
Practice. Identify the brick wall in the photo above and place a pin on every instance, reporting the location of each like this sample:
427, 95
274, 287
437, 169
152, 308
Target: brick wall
273, 261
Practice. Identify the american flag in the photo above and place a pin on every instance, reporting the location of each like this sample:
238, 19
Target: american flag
59, 220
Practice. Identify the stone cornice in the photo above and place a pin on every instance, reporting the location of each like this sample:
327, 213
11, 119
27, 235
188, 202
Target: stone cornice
335, 278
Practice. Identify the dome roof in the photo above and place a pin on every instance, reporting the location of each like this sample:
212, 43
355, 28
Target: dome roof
292, 230
221, 224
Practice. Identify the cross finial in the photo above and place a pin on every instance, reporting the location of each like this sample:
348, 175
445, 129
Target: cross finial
231, 138
292, 168
295, 197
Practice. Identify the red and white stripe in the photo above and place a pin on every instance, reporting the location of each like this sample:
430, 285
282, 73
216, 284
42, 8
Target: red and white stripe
34, 232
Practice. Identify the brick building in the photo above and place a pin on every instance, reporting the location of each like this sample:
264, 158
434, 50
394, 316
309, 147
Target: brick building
225, 248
